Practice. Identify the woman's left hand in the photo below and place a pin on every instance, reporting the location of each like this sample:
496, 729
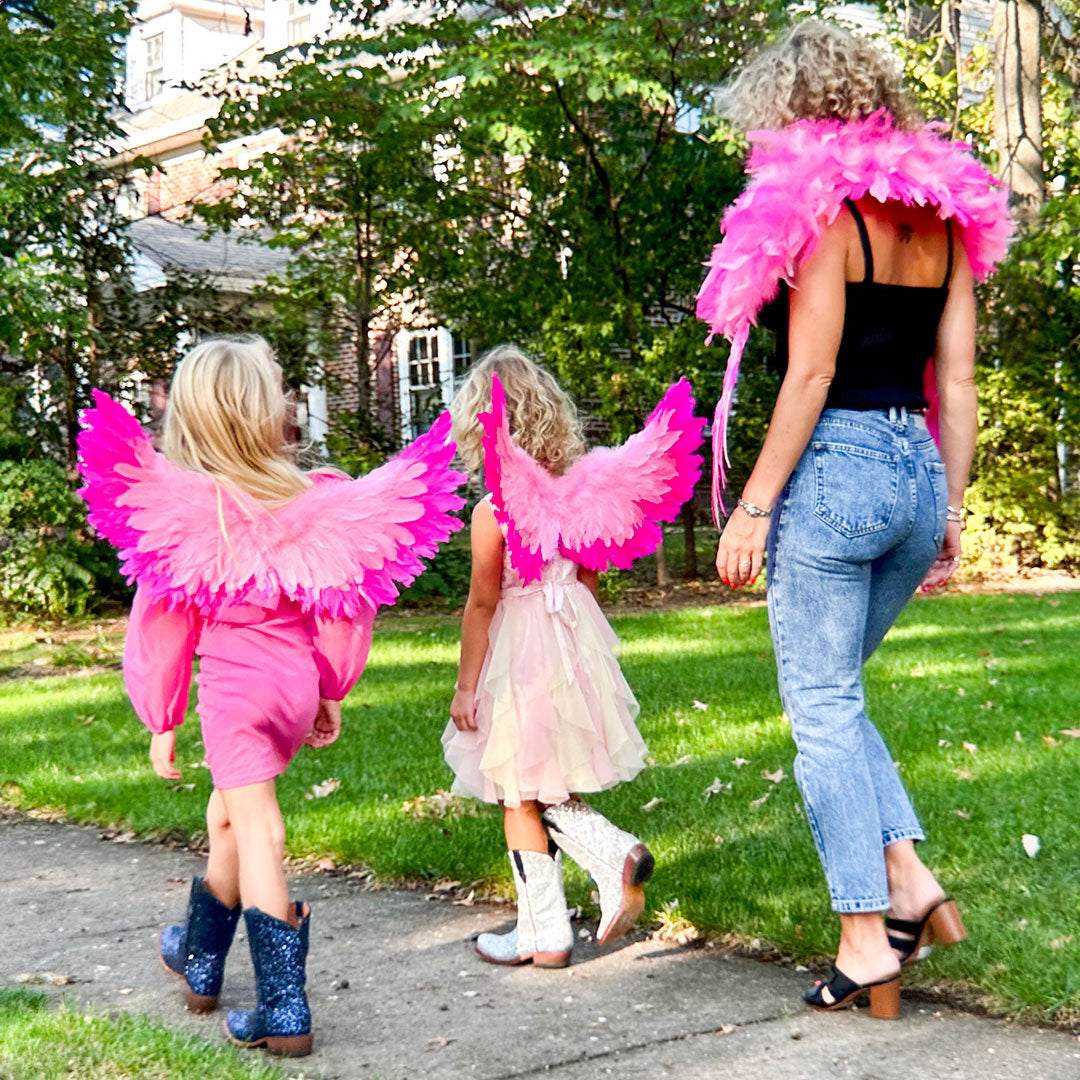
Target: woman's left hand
327, 726
741, 550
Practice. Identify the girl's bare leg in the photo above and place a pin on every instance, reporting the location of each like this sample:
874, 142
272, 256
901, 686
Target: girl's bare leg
524, 828
223, 866
256, 823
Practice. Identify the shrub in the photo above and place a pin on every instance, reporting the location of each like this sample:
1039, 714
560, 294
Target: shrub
49, 564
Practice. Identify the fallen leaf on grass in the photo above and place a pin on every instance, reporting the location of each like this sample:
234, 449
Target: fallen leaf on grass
755, 803
944, 744
439, 805
963, 774
1017, 737
1049, 740
651, 805
1073, 733
466, 901
674, 926
962, 814
1058, 942
40, 978
970, 747
326, 865
701, 706
684, 760
739, 762
1032, 844
717, 787
320, 791
772, 777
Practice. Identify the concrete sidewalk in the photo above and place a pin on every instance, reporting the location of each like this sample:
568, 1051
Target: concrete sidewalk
398, 993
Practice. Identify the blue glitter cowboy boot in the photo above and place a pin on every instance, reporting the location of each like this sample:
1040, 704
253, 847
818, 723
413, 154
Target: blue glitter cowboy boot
282, 1020
196, 951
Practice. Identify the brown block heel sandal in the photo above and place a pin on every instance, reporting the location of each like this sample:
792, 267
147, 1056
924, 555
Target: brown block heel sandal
842, 991
941, 925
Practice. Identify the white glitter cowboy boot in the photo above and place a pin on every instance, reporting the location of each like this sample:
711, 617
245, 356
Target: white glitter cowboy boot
543, 934
617, 861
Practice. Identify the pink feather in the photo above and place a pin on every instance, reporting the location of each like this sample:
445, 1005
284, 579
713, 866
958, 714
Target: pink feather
799, 179
606, 508
189, 539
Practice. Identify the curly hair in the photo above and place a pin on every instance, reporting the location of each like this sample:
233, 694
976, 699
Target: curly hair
543, 420
817, 70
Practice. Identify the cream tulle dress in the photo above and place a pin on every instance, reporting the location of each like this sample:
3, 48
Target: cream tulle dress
554, 714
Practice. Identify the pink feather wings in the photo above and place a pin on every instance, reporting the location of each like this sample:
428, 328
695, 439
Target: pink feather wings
189, 539
606, 507
799, 179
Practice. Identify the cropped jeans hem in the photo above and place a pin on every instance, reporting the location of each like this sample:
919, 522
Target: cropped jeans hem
870, 906
894, 836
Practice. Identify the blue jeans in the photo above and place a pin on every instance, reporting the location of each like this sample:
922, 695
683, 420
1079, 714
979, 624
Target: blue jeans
855, 530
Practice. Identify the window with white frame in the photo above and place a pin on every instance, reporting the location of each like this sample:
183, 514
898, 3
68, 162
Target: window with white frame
155, 65
432, 364
299, 22
462, 354
425, 380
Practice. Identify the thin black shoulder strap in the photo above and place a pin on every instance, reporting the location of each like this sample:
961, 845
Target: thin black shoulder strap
948, 265
864, 237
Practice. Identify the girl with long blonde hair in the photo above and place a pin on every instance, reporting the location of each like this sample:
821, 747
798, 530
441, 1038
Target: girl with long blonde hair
541, 711
271, 576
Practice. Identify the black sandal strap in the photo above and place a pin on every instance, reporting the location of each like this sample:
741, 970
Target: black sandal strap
839, 986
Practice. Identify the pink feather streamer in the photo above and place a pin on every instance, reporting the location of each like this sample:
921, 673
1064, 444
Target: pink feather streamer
799, 179
190, 540
607, 507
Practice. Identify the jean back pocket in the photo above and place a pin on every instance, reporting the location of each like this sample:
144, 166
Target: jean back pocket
857, 487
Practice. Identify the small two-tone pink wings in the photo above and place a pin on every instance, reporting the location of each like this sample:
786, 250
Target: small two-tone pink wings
190, 539
606, 508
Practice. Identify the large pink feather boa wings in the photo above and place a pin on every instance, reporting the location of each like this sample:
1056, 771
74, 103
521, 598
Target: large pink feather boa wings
606, 507
191, 540
799, 179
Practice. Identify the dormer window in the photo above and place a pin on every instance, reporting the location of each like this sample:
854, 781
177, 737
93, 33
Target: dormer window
155, 65
299, 22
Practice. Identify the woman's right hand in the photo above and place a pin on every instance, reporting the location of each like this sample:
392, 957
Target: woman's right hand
944, 566
463, 710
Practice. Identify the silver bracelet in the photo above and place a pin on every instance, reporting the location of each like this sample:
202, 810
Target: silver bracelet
955, 514
754, 511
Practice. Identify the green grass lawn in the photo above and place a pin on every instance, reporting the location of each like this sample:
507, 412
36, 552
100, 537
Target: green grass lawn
43, 1043
997, 673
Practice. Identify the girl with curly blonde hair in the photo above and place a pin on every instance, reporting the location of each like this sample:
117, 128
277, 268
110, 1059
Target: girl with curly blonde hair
541, 710
858, 241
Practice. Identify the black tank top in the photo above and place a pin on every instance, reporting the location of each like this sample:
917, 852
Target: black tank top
889, 335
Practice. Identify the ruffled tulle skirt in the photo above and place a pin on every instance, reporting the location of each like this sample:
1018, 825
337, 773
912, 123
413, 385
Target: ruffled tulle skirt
554, 713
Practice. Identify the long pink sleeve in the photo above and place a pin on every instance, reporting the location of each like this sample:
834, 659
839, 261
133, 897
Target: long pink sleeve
158, 654
341, 651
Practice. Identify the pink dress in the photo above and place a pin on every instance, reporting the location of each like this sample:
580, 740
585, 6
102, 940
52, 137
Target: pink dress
262, 671
554, 714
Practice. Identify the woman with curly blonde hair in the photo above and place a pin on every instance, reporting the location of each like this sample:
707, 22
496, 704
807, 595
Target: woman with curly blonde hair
858, 241
541, 711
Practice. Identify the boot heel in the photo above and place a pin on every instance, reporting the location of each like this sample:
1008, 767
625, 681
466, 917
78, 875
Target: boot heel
946, 924
551, 959
885, 1000
290, 1045
199, 1003
639, 865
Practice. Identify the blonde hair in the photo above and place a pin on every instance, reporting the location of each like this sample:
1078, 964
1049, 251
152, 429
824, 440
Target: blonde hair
543, 420
817, 70
226, 417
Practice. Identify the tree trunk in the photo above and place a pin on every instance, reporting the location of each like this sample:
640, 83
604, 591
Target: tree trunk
662, 578
689, 517
1017, 34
